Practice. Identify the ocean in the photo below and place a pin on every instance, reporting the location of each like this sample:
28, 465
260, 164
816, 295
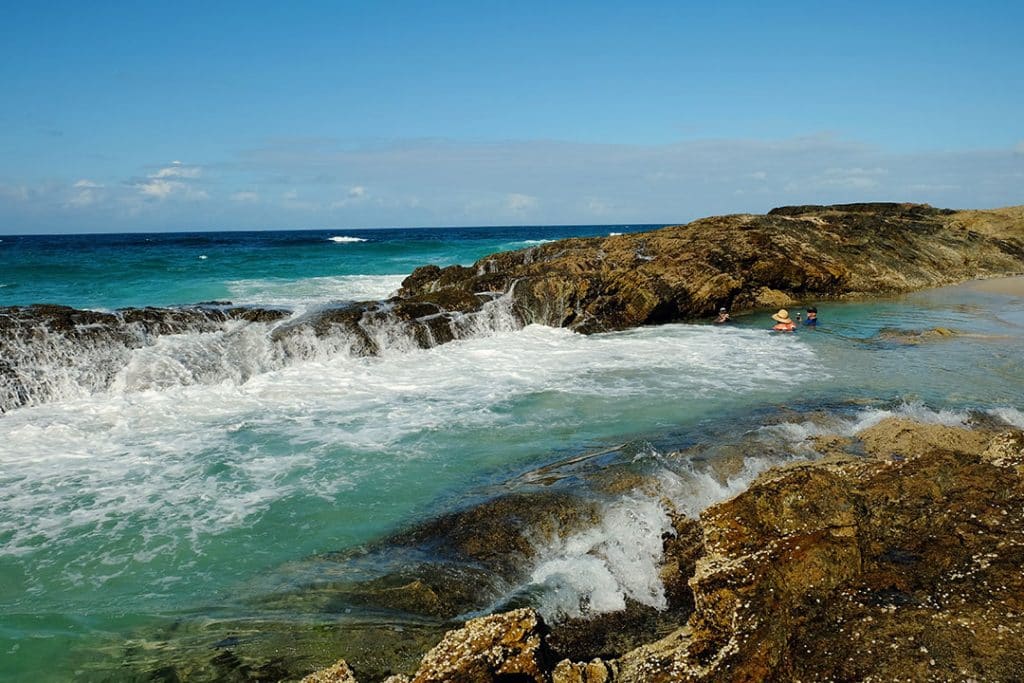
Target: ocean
177, 515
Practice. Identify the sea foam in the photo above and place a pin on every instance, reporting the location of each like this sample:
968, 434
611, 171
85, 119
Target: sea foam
314, 291
142, 453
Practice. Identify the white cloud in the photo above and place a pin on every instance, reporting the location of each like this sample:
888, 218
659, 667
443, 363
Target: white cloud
178, 171
854, 182
927, 187
291, 200
86, 194
174, 180
597, 207
160, 189
19, 193
517, 202
354, 195
848, 172
430, 182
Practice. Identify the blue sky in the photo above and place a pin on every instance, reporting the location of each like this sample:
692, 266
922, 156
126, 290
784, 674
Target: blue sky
189, 115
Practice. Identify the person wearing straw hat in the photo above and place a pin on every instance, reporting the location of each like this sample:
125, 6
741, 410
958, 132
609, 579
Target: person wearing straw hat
783, 322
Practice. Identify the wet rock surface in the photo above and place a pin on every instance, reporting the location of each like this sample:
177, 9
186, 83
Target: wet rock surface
51, 351
900, 565
895, 557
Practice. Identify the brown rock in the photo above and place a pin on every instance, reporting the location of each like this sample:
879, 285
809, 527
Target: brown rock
861, 569
502, 532
596, 671
903, 438
847, 568
590, 285
339, 673
507, 646
1006, 450
741, 261
914, 337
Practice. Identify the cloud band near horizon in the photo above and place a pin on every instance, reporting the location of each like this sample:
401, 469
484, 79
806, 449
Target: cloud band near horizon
325, 183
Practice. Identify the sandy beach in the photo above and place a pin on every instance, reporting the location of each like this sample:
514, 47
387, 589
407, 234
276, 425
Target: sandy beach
1010, 286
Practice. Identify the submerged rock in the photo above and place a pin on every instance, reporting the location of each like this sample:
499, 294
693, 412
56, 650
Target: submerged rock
339, 673
914, 337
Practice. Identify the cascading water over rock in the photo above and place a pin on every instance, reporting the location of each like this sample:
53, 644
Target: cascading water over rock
50, 353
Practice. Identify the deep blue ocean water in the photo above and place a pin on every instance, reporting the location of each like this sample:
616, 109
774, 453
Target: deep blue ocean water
277, 267
154, 517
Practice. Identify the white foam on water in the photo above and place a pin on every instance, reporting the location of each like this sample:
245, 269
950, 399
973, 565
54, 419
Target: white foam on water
345, 239
309, 292
797, 434
170, 464
1010, 416
596, 570
521, 244
234, 354
695, 489
614, 234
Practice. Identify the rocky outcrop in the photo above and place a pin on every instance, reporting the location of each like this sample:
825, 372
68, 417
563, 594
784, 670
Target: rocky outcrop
744, 261
896, 557
903, 565
501, 647
49, 351
339, 673
590, 285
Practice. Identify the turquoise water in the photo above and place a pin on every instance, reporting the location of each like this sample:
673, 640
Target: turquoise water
274, 267
128, 510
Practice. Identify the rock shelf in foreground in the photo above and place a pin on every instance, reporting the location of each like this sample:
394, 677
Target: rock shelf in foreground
902, 563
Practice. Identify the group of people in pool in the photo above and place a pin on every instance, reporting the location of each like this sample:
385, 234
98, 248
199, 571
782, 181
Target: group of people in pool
783, 323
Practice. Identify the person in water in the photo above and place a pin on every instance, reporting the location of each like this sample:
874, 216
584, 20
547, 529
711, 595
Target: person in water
812, 317
723, 316
783, 323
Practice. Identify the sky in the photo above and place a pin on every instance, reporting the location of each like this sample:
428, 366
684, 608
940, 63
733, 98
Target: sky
163, 116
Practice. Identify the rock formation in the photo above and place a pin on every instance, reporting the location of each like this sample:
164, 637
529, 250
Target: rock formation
899, 563
741, 262
590, 285
47, 351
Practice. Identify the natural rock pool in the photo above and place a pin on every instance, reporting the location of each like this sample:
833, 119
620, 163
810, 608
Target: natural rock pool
268, 527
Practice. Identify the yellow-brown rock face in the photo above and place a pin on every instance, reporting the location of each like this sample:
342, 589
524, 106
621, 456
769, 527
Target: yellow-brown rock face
741, 261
